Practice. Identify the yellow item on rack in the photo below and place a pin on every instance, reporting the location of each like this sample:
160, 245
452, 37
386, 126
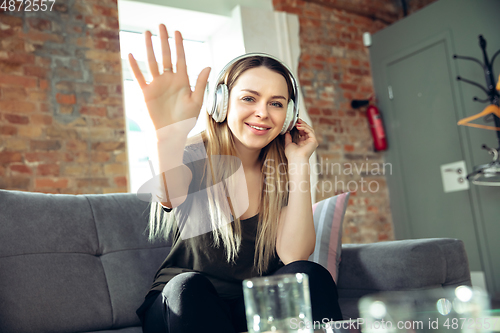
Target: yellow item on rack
492, 108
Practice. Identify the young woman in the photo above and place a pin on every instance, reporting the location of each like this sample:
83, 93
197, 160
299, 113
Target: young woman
198, 288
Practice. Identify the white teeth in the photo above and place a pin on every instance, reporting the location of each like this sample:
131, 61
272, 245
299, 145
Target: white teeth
259, 128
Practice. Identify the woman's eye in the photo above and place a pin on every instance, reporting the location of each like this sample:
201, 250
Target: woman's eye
248, 99
277, 104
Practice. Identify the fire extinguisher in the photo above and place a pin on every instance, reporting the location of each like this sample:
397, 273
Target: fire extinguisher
375, 121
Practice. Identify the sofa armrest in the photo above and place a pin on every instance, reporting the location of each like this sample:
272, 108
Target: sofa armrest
402, 265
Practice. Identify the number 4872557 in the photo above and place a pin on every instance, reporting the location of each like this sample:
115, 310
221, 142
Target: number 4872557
29, 5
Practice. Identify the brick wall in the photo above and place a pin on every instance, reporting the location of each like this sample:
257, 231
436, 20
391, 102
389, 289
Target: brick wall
62, 124
334, 68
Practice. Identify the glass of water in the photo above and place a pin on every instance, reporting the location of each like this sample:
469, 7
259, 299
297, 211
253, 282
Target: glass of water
452, 310
278, 303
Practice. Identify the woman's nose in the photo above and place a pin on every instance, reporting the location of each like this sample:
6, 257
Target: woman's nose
261, 110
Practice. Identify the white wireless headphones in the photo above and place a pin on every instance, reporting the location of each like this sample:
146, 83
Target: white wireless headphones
217, 105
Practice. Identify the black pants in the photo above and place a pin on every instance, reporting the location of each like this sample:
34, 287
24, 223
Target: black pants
189, 303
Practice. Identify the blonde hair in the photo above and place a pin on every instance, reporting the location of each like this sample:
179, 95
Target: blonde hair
219, 140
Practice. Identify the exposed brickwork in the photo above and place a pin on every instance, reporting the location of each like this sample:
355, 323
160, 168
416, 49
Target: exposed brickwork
62, 125
334, 68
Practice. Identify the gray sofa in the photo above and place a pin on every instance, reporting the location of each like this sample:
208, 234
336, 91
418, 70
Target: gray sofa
82, 263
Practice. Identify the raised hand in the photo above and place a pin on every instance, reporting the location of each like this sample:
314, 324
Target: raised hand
168, 96
303, 149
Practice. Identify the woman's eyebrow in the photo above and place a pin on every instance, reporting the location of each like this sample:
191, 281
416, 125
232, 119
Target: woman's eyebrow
256, 93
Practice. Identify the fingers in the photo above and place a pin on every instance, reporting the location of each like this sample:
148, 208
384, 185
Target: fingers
137, 72
304, 128
201, 83
153, 65
165, 47
181, 57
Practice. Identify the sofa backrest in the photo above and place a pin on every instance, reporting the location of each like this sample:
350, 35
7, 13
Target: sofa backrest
410, 264
74, 263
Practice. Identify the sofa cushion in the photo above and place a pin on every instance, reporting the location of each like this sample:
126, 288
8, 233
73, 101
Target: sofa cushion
328, 217
74, 263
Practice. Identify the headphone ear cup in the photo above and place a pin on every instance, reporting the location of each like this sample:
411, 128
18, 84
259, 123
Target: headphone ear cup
225, 102
289, 117
208, 101
221, 102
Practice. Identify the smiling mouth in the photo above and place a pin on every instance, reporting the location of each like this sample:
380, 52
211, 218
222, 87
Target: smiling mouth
258, 128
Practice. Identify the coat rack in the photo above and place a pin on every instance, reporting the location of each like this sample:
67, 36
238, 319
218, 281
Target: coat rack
486, 174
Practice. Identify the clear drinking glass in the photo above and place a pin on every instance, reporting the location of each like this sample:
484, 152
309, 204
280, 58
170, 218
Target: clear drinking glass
278, 303
451, 310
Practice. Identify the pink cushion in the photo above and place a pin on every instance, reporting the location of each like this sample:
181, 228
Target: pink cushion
328, 217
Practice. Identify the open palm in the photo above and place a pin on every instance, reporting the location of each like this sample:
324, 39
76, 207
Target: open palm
168, 96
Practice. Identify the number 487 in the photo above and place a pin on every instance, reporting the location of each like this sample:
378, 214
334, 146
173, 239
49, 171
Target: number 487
29, 5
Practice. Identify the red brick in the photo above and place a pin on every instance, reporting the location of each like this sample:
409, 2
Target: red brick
16, 119
348, 86
354, 46
38, 96
355, 71
348, 95
352, 28
48, 170
93, 111
41, 119
65, 99
366, 89
112, 23
20, 168
105, 11
106, 34
329, 121
41, 37
107, 78
7, 157
50, 157
8, 130
43, 61
16, 80
94, 20
101, 90
45, 107
11, 21
44, 84
121, 181
51, 183
39, 72
17, 106
313, 111
13, 45
14, 93
348, 148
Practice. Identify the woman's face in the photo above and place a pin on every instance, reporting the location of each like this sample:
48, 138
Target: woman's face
258, 97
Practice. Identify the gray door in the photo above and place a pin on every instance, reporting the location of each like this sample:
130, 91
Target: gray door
426, 136
414, 58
